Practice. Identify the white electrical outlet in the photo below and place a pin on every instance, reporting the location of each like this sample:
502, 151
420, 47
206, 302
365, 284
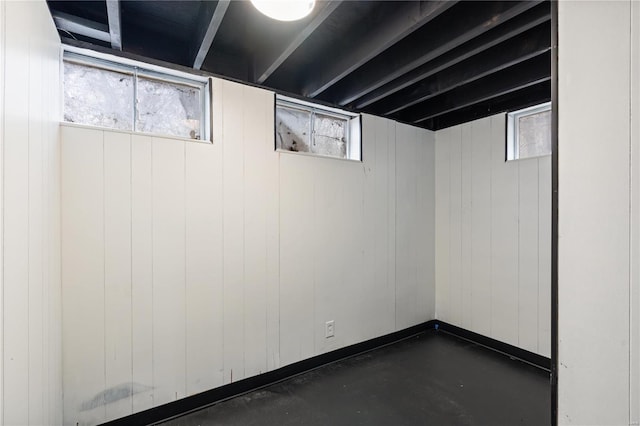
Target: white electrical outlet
328, 329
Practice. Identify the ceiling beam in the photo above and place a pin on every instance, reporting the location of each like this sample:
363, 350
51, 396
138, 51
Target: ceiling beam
267, 65
81, 26
405, 21
210, 34
513, 28
113, 15
498, 58
475, 19
529, 73
529, 96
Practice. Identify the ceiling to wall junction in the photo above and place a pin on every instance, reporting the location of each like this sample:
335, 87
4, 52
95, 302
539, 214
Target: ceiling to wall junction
433, 64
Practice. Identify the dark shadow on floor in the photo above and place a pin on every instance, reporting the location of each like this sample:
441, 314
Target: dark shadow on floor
430, 379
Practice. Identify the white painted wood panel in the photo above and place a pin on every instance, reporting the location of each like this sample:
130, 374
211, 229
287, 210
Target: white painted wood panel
634, 368
2, 136
528, 251
16, 218
481, 227
53, 297
466, 255
233, 215
83, 279
594, 213
372, 240
353, 238
30, 363
455, 225
204, 285
426, 224
443, 193
391, 205
296, 262
142, 272
491, 222
271, 181
544, 256
504, 238
36, 190
406, 218
117, 273
169, 298
331, 290
258, 154
377, 162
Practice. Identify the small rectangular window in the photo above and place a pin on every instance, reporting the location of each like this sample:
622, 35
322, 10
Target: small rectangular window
98, 97
122, 96
304, 127
529, 132
168, 108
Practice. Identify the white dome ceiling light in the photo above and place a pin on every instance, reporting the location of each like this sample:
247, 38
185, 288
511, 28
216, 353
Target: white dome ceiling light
284, 10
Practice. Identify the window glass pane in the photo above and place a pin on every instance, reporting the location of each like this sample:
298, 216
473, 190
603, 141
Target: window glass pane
329, 136
98, 97
534, 134
292, 129
168, 108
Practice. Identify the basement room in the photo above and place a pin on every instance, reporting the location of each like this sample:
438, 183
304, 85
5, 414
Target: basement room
319, 212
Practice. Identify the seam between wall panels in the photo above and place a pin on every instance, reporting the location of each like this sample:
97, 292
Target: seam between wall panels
630, 240
395, 223
222, 161
104, 272
153, 394
28, 226
420, 186
518, 265
29, 203
44, 253
461, 251
131, 254
471, 277
244, 246
538, 257
2, 135
185, 286
449, 292
490, 227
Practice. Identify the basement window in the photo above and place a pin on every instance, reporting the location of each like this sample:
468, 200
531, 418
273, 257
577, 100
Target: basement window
126, 96
529, 132
314, 129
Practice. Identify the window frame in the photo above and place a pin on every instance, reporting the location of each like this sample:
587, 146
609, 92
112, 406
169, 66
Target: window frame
513, 130
137, 69
353, 126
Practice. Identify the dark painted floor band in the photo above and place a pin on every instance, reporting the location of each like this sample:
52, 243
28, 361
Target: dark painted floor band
510, 350
204, 399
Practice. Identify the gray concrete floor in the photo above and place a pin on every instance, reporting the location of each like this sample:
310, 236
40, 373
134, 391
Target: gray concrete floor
430, 379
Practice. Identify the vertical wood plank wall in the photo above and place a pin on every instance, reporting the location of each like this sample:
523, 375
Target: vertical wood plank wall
31, 363
187, 265
493, 236
598, 214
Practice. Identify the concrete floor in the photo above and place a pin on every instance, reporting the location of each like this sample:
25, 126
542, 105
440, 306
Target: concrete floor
430, 379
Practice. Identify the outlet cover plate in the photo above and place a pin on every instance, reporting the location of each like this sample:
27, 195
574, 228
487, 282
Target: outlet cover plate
329, 330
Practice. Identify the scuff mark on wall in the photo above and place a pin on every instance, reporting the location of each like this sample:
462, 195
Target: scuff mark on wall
113, 394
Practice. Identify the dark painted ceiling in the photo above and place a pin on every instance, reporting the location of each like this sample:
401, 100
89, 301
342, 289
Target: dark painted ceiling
429, 63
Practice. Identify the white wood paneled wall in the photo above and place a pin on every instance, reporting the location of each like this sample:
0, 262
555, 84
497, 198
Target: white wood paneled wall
599, 214
30, 370
493, 236
187, 265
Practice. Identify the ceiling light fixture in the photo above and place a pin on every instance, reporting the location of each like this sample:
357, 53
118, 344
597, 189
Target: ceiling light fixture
284, 10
